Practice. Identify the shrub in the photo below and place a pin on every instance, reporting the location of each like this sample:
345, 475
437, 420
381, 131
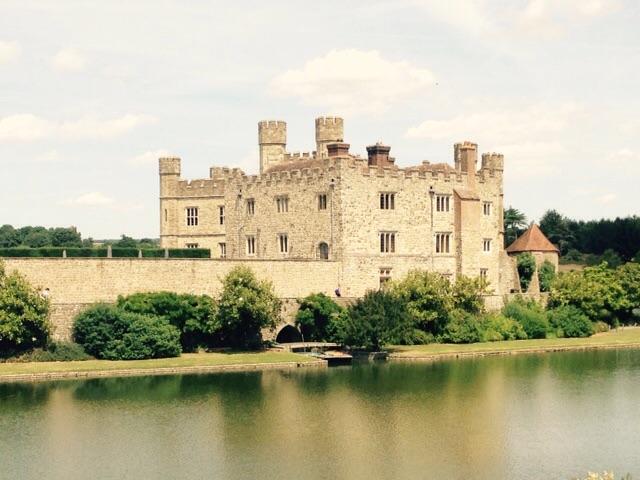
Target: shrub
628, 276
496, 327
314, 316
463, 327
193, 315
246, 306
569, 321
526, 267
54, 352
377, 319
530, 315
546, 274
24, 315
600, 327
108, 332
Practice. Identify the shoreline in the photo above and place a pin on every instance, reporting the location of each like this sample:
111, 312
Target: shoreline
142, 372
434, 357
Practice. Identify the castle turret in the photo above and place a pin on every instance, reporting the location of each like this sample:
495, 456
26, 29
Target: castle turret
169, 175
328, 130
466, 161
493, 161
272, 138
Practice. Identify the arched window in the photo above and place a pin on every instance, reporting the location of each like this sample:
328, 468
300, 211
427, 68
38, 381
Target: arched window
323, 251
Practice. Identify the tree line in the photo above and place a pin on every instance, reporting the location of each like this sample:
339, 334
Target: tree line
69, 237
587, 241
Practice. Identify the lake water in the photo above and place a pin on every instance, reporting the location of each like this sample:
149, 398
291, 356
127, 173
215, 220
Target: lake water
523, 417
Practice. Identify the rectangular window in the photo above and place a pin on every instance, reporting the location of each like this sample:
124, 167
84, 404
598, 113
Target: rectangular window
443, 242
192, 216
283, 240
282, 202
385, 276
251, 206
483, 273
221, 214
387, 242
486, 208
191, 245
223, 250
322, 201
486, 245
443, 203
387, 201
251, 245
165, 214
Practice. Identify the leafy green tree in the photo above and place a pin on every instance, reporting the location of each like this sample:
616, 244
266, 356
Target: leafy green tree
546, 274
526, 263
65, 237
468, 293
315, 315
37, 237
556, 228
462, 327
515, 222
377, 319
9, 237
193, 315
108, 332
429, 299
126, 242
246, 306
596, 291
24, 315
611, 257
629, 277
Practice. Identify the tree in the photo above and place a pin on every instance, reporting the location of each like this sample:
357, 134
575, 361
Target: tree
515, 222
315, 315
377, 319
126, 242
65, 237
468, 293
556, 228
526, 268
9, 237
246, 306
37, 237
429, 299
24, 315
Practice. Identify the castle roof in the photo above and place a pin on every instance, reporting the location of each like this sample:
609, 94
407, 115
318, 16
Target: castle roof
533, 240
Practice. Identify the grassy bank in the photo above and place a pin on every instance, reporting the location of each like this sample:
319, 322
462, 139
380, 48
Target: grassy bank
186, 362
628, 336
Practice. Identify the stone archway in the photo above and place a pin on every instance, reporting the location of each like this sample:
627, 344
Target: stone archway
289, 334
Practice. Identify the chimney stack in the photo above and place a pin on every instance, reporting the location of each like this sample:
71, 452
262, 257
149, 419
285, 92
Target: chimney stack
338, 149
379, 155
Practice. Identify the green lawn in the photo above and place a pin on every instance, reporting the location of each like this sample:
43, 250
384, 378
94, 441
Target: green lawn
186, 360
626, 336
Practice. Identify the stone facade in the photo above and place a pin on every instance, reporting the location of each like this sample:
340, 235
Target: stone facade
374, 219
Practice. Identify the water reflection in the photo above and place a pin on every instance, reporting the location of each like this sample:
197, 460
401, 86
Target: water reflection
474, 418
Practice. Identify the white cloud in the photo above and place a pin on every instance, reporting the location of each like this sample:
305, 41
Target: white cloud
68, 60
28, 127
9, 51
91, 199
353, 81
150, 157
499, 126
50, 156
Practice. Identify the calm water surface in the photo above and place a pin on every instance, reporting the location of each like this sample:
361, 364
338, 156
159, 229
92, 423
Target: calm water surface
526, 417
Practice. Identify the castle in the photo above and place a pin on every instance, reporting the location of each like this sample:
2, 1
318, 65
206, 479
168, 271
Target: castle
375, 220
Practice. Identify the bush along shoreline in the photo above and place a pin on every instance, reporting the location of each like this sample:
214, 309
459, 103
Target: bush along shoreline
422, 308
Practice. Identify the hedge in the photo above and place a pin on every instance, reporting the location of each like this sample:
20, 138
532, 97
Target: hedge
116, 252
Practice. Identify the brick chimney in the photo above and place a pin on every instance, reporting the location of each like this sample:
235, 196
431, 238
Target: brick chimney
338, 149
379, 155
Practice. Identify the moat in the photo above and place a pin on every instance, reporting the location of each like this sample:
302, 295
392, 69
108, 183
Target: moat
526, 416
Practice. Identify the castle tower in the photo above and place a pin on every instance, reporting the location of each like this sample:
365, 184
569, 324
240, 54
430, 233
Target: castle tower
466, 161
272, 138
328, 130
169, 169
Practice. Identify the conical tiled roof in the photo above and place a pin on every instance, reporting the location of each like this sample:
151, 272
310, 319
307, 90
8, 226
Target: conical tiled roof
533, 240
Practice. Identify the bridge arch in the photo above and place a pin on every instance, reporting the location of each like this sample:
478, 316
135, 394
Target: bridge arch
288, 334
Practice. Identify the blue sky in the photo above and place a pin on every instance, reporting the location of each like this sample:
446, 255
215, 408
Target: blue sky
92, 92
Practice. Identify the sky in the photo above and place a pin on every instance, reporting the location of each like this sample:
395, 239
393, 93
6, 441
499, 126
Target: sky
93, 92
